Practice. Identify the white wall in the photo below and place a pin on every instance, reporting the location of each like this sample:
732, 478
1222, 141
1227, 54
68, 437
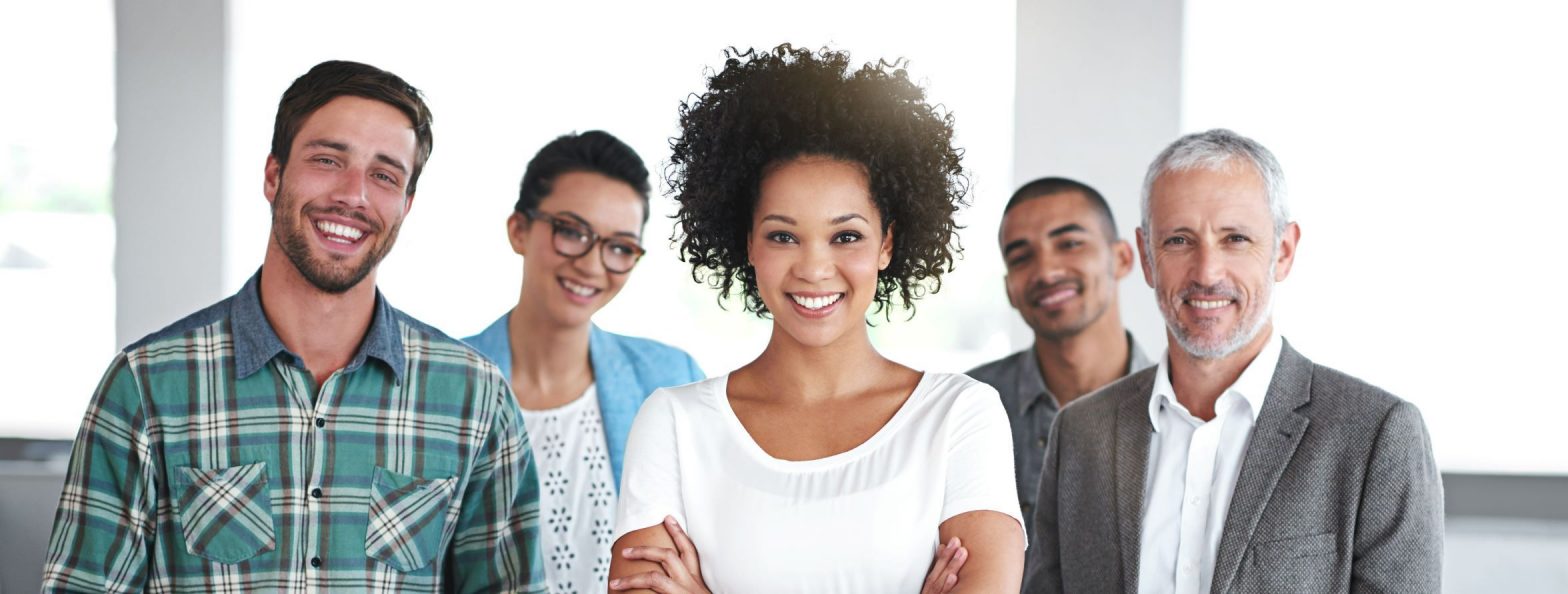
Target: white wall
1099, 94
169, 161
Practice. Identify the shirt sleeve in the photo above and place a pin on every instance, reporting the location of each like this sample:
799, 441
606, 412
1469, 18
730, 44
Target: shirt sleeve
650, 482
495, 547
103, 529
980, 456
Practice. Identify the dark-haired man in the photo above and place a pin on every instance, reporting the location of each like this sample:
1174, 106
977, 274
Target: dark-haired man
1064, 259
303, 435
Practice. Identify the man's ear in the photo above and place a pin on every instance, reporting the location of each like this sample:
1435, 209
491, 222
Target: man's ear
1287, 251
885, 258
1144, 256
517, 227
1121, 256
273, 173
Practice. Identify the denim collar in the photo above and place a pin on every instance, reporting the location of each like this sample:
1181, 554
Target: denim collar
255, 342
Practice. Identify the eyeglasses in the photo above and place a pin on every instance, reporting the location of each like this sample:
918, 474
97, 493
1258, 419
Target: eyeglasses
573, 238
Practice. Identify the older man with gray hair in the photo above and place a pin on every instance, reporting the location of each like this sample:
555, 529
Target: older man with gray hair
1236, 464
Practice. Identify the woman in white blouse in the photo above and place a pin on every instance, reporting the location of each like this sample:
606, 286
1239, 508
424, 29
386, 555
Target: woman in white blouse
815, 190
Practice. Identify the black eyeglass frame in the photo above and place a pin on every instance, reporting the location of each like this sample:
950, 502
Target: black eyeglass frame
559, 222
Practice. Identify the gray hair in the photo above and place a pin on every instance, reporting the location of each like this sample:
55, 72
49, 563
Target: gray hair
1215, 150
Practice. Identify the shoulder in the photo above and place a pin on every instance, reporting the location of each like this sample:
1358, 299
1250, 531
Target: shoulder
638, 347
206, 320
1357, 410
956, 396
697, 401
492, 342
427, 345
997, 371
698, 394
959, 386
643, 353
1104, 401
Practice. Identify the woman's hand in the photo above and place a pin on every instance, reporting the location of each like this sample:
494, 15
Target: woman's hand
944, 569
682, 571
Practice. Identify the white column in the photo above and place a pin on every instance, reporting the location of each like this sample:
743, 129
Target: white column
168, 185
1098, 96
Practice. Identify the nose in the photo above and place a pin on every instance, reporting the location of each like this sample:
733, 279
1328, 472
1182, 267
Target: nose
1210, 267
814, 264
1050, 269
592, 261
351, 188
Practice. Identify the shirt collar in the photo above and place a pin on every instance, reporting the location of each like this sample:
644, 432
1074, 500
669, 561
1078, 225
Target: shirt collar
256, 343
1252, 387
1030, 385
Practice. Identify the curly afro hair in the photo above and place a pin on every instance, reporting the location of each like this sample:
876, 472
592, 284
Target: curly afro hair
767, 108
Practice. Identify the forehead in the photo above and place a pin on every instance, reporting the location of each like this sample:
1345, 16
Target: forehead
365, 125
812, 188
1041, 214
609, 204
1231, 195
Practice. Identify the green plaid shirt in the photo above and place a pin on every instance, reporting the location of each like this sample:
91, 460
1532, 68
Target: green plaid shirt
208, 462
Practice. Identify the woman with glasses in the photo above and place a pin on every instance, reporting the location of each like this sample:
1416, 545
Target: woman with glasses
816, 191
578, 225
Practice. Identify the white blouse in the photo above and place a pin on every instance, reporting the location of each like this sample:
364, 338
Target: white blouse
864, 520
576, 493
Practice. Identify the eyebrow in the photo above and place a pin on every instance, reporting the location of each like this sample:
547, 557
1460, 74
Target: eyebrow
1225, 229
343, 147
393, 163
1068, 228
585, 223
845, 218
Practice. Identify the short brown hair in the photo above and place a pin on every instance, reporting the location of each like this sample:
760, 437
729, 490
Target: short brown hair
336, 78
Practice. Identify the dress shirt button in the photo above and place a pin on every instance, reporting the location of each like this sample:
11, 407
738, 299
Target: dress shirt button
320, 422
316, 492
315, 561
1040, 442
1196, 500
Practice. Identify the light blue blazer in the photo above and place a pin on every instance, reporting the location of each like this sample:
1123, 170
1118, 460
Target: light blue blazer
626, 370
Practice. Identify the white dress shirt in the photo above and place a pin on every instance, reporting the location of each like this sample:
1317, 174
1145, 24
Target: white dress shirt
1191, 473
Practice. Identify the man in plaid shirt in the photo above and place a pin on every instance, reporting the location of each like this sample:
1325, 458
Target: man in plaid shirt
303, 435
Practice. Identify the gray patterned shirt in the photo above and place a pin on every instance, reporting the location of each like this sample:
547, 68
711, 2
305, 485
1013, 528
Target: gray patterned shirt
1031, 407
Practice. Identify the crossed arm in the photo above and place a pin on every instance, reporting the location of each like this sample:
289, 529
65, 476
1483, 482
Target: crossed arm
662, 559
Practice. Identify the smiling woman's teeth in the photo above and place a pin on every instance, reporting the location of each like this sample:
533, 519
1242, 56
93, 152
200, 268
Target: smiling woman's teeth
579, 290
340, 233
817, 302
1209, 304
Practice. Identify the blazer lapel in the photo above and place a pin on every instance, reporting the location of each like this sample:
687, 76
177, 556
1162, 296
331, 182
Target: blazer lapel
1273, 444
1131, 460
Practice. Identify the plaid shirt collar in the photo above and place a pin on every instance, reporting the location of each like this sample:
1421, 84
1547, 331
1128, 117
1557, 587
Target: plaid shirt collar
255, 342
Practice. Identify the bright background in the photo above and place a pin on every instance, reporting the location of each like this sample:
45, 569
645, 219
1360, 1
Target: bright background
1422, 143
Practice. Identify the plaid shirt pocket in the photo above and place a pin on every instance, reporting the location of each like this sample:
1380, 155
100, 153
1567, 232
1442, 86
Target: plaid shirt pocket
407, 517
225, 514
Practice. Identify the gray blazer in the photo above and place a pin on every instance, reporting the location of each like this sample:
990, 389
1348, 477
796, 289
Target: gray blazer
1337, 492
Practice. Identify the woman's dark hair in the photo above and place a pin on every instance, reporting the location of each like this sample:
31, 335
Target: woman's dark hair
594, 151
768, 107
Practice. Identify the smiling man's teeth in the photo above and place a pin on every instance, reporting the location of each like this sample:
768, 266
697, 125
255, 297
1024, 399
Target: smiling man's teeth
1209, 304
338, 232
579, 290
817, 302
